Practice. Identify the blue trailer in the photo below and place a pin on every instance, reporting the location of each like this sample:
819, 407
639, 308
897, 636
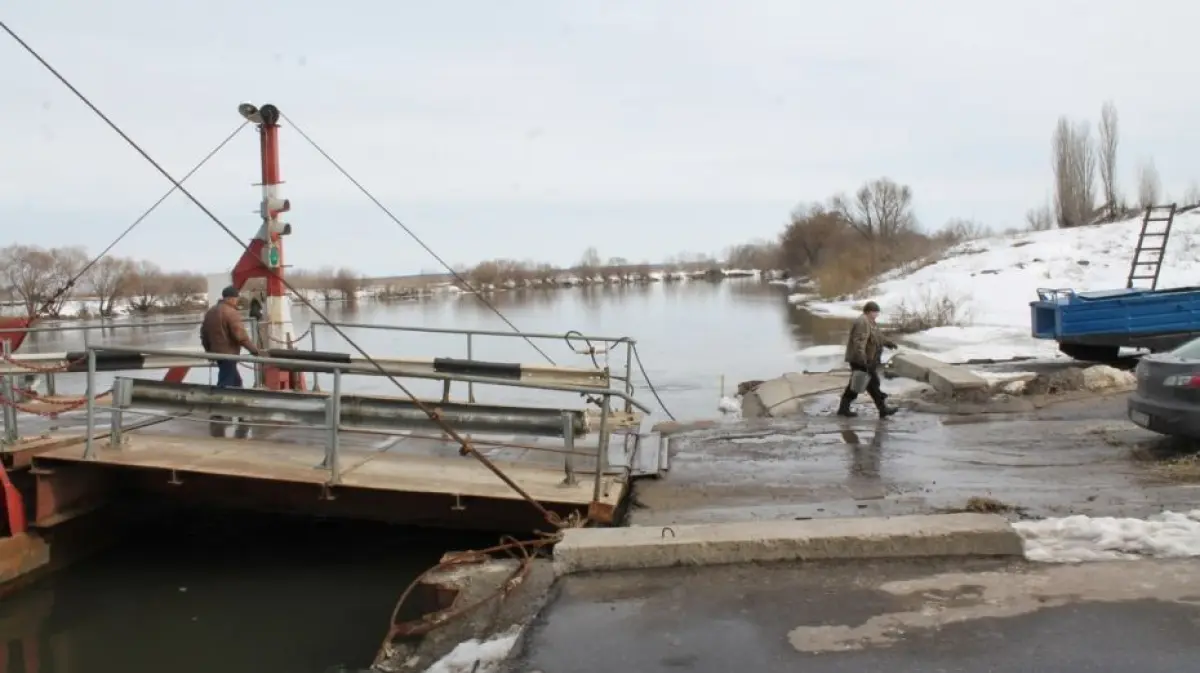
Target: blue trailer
1094, 326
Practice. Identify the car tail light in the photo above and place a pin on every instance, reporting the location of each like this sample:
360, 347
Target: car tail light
1183, 381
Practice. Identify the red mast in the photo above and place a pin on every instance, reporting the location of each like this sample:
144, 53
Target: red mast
264, 255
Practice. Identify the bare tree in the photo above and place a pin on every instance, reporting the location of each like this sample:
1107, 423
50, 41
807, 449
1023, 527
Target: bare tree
813, 231
67, 265
147, 284
1149, 185
959, 230
1107, 149
181, 290
347, 283
1191, 197
29, 273
1074, 173
589, 265
109, 280
880, 211
1039, 219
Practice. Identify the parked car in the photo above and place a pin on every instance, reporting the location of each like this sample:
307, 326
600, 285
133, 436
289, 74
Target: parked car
1167, 399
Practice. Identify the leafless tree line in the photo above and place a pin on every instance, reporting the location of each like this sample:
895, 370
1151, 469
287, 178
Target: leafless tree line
845, 241
35, 278
328, 283
593, 269
1077, 160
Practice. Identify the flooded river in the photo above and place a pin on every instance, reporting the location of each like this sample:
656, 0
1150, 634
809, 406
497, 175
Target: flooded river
205, 592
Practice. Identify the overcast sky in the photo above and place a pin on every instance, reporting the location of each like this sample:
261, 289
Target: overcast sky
534, 128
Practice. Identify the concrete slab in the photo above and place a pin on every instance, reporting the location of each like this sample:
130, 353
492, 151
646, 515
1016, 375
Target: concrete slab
785, 395
952, 615
946, 378
602, 549
1079, 457
913, 366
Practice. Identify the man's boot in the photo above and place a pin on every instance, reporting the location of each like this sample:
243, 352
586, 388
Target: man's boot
882, 406
844, 406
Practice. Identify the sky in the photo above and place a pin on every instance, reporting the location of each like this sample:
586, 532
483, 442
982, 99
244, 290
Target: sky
533, 129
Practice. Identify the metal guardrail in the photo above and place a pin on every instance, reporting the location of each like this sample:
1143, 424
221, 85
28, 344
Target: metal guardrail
334, 424
470, 335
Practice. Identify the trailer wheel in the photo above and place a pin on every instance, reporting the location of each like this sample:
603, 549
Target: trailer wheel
1089, 352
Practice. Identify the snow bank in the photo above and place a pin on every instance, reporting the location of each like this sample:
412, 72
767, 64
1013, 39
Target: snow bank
1079, 538
993, 280
490, 654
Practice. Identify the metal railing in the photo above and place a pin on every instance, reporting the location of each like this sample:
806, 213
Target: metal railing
9, 389
333, 422
471, 334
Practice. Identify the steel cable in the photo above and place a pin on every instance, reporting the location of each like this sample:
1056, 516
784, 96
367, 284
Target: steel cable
467, 448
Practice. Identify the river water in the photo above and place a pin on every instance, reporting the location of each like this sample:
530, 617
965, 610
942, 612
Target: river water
203, 592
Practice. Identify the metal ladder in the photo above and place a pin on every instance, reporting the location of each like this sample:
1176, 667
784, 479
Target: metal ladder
1153, 244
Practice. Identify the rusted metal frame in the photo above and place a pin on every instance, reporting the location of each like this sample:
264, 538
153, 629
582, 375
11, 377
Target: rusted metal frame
64, 492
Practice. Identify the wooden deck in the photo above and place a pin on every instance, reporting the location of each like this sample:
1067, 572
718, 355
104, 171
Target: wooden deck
418, 465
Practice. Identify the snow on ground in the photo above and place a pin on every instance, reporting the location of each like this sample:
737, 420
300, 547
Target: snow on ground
489, 654
993, 280
1079, 538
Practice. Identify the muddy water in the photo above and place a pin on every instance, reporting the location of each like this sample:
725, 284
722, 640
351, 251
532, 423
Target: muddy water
203, 591
206, 592
689, 335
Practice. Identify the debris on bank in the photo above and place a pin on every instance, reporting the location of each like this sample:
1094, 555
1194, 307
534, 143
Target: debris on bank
1013, 391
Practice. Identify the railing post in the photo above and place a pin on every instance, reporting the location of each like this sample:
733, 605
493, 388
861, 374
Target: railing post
470, 356
256, 330
90, 402
334, 420
7, 389
629, 375
116, 420
569, 447
312, 340
601, 448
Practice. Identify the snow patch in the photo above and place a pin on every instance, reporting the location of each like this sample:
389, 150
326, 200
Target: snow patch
490, 654
1103, 377
1079, 538
997, 277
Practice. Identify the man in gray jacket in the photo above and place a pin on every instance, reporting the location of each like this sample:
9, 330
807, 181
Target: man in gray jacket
864, 353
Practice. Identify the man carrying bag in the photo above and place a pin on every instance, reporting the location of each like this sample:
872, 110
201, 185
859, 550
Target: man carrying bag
864, 353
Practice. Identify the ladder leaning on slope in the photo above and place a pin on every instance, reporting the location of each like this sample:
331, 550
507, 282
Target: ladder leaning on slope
1152, 244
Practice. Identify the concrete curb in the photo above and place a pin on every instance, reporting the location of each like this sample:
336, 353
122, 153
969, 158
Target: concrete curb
938, 535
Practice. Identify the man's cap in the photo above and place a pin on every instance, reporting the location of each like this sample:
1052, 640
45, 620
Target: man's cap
870, 307
229, 292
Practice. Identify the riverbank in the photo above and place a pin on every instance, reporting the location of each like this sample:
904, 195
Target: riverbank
972, 301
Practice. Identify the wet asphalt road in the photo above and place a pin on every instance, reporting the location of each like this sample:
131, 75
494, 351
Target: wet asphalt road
900, 617
1079, 457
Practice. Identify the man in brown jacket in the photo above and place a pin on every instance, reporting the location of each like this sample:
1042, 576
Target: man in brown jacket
222, 332
864, 352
